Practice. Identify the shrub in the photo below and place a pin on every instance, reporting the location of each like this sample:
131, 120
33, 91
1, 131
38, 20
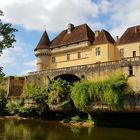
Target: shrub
110, 91
79, 95
58, 91
3, 102
13, 106
39, 94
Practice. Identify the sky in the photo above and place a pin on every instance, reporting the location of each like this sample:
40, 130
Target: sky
32, 17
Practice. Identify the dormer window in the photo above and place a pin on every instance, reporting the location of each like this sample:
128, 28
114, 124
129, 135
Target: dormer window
136, 30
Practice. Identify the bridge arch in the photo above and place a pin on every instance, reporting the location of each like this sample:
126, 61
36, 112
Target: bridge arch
68, 77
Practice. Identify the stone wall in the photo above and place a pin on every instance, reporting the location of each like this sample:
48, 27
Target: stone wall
15, 86
131, 103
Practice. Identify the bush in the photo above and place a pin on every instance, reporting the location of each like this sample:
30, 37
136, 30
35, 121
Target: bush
3, 102
79, 95
13, 106
39, 94
110, 91
58, 91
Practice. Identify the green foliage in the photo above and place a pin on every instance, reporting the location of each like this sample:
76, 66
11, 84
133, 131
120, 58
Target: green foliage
79, 94
114, 90
3, 102
1, 73
75, 119
58, 91
7, 34
13, 106
39, 94
110, 91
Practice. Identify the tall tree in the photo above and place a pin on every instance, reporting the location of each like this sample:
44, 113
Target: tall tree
7, 37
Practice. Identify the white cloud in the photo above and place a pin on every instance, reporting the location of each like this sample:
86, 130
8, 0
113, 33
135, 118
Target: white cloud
55, 14
124, 14
29, 67
16, 60
29, 63
9, 55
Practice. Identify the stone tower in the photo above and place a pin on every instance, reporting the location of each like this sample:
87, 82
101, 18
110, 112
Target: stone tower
42, 52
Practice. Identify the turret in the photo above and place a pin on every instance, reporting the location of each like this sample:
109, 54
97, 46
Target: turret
42, 52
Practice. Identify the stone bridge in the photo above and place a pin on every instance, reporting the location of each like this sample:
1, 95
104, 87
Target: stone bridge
97, 71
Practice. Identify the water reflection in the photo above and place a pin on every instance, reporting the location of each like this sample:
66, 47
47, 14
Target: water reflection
43, 130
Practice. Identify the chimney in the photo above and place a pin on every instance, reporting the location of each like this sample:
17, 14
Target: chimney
136, 30
117, 38
97, 33
70, 28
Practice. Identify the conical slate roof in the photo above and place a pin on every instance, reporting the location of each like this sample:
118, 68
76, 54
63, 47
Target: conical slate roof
44, 42
104, 37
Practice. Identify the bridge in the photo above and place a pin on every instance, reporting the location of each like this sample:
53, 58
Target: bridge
100, 70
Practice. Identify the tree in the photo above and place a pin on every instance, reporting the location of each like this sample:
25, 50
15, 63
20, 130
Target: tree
7, 37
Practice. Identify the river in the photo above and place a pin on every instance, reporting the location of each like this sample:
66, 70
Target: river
44, 130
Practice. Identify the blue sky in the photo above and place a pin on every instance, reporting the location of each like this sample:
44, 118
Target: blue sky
30, 16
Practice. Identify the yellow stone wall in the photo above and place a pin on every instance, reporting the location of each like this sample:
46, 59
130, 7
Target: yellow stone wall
108, 52
129, 48
88, 56
133, 80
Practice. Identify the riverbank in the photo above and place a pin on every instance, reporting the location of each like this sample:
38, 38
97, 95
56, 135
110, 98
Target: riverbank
78, 124
15, 117
104, 119
69, 124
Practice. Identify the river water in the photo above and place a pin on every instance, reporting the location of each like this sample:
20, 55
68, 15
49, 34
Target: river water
44, 130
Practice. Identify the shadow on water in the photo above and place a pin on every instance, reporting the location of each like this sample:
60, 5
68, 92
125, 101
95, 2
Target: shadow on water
43, 130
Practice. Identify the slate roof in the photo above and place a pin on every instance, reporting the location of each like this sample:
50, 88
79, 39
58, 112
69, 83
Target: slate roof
79, 33
104, 37
44, 42
131, 35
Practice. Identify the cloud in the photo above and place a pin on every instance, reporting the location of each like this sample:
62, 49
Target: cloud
28, 67
18, 59
124, 14
9, 55
55, 14
114, 15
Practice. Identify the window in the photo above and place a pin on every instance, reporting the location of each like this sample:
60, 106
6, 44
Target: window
122, 53
53, 59
98, 51
79, 55
134, 53
68, 57
130, 70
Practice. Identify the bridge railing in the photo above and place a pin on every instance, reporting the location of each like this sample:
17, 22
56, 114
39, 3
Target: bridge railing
98, 66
